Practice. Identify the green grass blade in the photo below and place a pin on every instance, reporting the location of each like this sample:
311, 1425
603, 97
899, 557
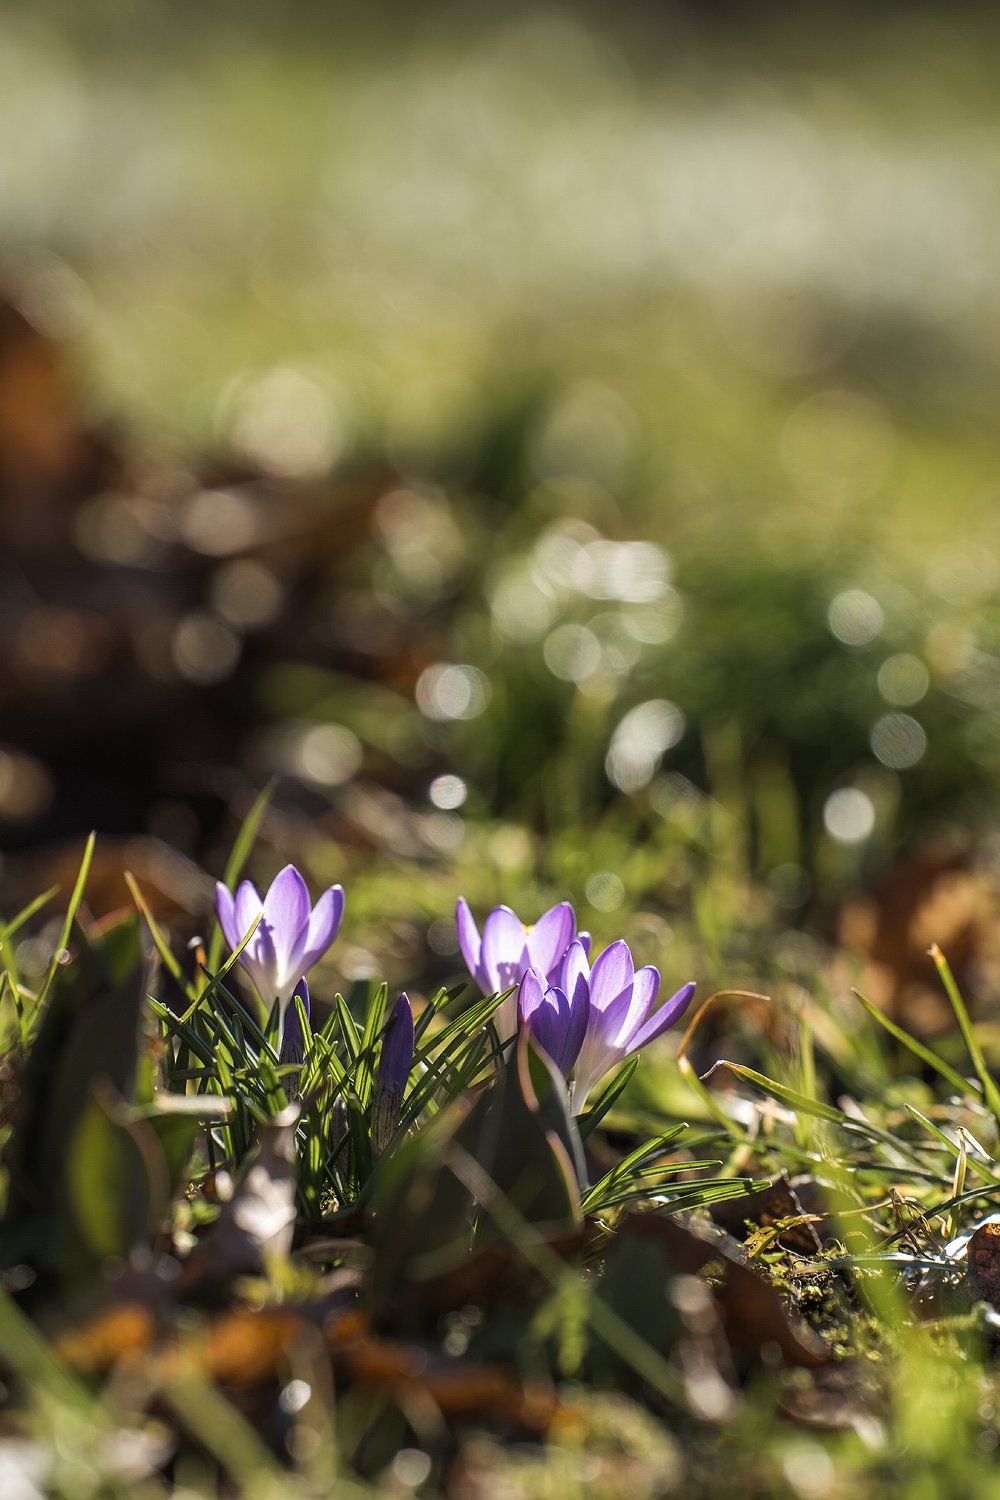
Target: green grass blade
781, 1092
990, 1091
590, 1121
159, 938
71, 913
365, 1076
926, 1054
237, 859
26, 913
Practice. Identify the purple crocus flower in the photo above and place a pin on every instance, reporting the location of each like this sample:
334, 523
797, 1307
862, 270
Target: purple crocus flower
556, 1023
393, 1072
291, 936
621, 1019
498, 960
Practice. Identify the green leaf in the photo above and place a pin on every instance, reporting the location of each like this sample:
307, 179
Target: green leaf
365, 1076
607, 1100
110, 1188
782, 1092
87, 1037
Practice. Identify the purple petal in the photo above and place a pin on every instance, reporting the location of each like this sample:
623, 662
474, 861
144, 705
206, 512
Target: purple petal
292, 1041
246, 906
596, 1057
260, 962
585, 940
397, 1048
644, 988
670, 1011
531, 995
575, 974
578, 1007
610, 1026
286, 909
225, 910
321, 929
549, 1026
504, 955
550, 937
611, 975
469, 940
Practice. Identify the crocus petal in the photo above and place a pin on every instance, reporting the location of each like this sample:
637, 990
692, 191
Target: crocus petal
611, 975
547, 1017
604, 1044
670, 1011
596, 1058
286, 909
393, 1073
225, 910
645, 985
504, 953
246, 906
575, 973
397, 1048
530, 995
504, 1018
321, 929
578, 1008
260, 961
550, 937
614, 1024
292, 1042
585, 940
469, 940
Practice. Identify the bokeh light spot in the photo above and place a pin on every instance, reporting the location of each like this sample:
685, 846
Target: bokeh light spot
903, 679
448, 690
605, 891
448, 792
329, 754
246, 594
204, 650
855, 617
898, 741
849, 815
572, 652
640, 740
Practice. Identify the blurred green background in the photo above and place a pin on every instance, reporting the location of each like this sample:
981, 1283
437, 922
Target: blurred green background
634, 369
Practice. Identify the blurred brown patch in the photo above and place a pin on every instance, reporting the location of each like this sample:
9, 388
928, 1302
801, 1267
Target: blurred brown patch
936, 896
752, 1314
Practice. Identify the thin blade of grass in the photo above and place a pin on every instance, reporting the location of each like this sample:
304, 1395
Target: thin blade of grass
365, 1077
249, 829
781, 1092
990, 1091
71, 913
926, 1054
26, 913
162, 946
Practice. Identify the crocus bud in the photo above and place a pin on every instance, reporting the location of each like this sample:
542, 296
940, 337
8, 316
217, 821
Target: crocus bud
393, 1073
293, 1044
